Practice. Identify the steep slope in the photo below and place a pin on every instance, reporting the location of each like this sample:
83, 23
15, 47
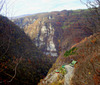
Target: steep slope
52, 31
21, 62
86, 70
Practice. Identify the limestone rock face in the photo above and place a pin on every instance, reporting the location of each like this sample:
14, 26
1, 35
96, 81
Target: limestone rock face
42, 32
45, 40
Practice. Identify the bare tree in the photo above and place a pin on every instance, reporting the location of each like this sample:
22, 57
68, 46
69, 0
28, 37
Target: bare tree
5, 43
15, 72
7, 7
93, 15
1, 4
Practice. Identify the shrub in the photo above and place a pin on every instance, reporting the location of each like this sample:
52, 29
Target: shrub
62, 70
70, 52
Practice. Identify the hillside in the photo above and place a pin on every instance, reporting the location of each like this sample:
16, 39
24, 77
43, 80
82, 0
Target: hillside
85, 72
56, 31
21, 62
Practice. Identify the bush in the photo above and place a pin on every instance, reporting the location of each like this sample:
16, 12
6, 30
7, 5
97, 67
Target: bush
70, 52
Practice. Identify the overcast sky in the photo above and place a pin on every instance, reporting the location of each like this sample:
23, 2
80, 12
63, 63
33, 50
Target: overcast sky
21, 7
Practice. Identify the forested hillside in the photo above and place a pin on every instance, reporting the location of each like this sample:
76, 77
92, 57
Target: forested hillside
21, 62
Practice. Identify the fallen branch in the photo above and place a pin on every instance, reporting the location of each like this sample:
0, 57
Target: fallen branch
14, 73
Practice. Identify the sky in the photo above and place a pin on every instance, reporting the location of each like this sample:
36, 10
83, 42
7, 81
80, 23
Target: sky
21, 7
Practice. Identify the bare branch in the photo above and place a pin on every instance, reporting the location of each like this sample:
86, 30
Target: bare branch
2, 2
93, 15
15, 69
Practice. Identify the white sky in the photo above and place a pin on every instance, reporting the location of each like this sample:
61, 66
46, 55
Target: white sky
21, 7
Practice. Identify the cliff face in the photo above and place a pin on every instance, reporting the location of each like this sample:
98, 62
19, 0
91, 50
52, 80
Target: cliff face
43, 34
55, 31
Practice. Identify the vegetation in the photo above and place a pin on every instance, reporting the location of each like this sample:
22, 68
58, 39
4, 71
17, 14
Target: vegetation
93, 15
62, 71
87, 69
70, 52
21, 62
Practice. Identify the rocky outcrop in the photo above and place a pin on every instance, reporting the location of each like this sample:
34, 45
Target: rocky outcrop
41, 31
68, 76
45, 39
55, 78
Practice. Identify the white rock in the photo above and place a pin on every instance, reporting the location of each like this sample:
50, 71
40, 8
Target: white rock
41, 43
41, 38
54, 54
36, 44
43, 29
47, 53
50, 17
50, 26
68, 76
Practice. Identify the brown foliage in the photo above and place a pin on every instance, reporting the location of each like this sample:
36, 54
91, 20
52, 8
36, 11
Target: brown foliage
88, 70
96, 79
15, 46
